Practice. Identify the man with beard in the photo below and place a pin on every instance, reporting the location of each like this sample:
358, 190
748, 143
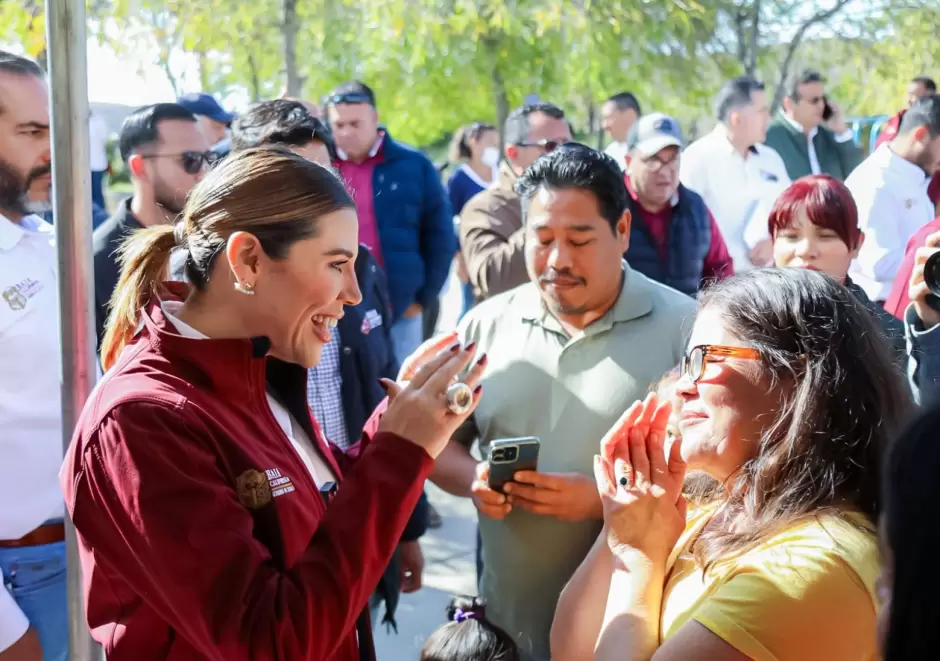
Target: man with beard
33, 606
566, 354
166, 154
890, 190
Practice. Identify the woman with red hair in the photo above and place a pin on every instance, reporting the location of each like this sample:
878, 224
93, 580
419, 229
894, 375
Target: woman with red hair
814, 226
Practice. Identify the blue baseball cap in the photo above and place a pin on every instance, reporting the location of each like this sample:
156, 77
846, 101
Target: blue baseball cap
206, 105
652, 133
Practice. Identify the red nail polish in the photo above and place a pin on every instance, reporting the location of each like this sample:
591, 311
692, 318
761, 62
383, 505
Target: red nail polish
383, 385
469, 347
455, 348
478, 389
482, 361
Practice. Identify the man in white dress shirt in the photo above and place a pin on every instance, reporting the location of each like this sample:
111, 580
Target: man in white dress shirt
890, 189
618, 115
738, 177
33, 607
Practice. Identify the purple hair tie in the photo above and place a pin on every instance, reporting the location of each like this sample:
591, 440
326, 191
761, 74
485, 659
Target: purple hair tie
460, 615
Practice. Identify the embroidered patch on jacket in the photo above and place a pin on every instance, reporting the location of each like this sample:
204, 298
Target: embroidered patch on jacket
254, 491
371, 321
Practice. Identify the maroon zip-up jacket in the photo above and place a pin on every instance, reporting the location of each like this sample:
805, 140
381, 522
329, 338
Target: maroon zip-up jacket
201, 533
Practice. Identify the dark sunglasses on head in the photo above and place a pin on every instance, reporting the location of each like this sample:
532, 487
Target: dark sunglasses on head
192, 161
349, 97
546, 145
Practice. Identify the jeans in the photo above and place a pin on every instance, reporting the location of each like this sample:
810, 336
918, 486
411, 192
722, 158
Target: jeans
35, 576
407, 336
97, 189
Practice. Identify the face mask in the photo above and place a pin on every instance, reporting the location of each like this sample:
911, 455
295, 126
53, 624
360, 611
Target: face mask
490, 157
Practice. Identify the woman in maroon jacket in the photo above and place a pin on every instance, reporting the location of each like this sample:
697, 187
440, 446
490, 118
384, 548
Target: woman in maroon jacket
209, 521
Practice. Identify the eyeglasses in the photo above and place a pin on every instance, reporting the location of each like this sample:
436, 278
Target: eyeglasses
655, 163
348, 97
547, 146
192, 161
693, 363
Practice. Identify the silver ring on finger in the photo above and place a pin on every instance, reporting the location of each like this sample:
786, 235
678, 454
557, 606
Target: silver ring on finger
459, 398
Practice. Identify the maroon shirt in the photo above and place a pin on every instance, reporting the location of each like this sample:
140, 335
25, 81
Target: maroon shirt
898, 300
358, 178
718, 263
201, 533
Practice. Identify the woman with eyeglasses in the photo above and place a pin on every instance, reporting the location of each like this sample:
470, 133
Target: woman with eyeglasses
214, 520
814, 226
787, 398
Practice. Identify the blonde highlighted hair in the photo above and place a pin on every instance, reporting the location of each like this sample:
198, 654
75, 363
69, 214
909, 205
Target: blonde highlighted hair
269, 192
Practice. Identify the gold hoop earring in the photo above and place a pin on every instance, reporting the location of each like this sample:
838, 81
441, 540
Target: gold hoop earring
245, 288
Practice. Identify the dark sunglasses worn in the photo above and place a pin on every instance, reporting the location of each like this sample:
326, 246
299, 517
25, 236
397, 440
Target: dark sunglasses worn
192, 161
547, 146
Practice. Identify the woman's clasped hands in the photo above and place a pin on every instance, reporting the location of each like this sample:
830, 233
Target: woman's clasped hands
640, 488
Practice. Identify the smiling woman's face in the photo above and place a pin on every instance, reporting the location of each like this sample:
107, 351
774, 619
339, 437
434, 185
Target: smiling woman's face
720, 417
300, 298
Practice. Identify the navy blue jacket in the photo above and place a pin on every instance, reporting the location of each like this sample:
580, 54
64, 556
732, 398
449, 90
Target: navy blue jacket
415, 223
365, 356
690, 237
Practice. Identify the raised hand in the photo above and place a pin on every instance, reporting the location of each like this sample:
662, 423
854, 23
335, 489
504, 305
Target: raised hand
640, 489
428, 350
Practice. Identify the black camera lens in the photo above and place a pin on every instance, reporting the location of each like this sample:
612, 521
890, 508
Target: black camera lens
932, 280
512, 453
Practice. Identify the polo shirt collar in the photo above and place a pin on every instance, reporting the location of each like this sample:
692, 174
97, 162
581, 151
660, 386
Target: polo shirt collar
721, 138
343, 156
635, 301
11, 233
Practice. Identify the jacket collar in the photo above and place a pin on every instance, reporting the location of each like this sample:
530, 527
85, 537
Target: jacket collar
507, 178
11, 233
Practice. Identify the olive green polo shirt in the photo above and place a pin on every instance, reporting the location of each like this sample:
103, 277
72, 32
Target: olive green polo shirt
567, 392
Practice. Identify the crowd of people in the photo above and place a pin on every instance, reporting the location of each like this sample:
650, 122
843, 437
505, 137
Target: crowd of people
727, 350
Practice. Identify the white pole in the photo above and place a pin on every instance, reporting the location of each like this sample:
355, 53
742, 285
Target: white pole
71, 176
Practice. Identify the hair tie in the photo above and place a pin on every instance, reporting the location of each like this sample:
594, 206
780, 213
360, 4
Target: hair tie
460, 615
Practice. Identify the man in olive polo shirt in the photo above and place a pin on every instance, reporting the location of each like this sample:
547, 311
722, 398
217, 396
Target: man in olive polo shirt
566, 354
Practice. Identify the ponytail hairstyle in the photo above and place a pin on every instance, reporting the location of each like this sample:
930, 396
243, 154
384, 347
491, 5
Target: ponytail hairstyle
468, 636
460, 143
269, 192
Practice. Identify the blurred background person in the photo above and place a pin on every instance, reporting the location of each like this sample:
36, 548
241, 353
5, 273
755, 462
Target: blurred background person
674, 238
404, 215
618, 115
814, 225
98, 155
215, 380
807, 142
469, 636
917, 89
776, 405
476, 148
737, 175
214, 120
166, 155
491, 227
890, 190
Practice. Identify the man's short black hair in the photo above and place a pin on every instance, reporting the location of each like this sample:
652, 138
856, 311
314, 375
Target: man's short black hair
140, 128
516, 129
735, 94
923, 112
351, 92
805, 77
625, 101
576, 166
928, 83
279, 122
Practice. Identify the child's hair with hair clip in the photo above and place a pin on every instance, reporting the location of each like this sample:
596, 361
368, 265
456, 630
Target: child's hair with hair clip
468, 636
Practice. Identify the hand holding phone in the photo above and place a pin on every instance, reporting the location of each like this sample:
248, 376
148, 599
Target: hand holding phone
509, 456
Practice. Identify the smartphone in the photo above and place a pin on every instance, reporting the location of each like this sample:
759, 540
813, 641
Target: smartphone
510, 455
827, 110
